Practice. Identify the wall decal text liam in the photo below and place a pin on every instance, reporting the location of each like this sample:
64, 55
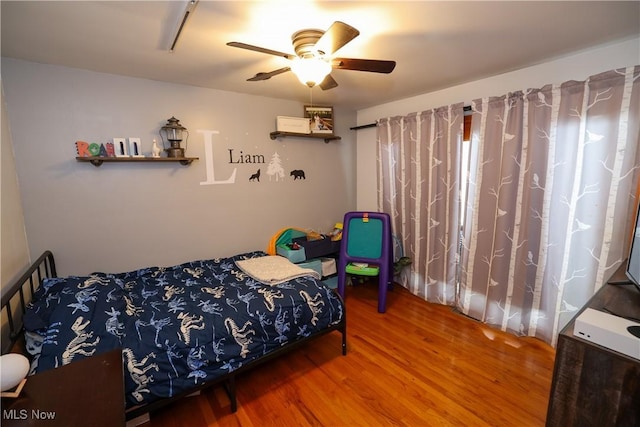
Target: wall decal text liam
274, 170
245, 158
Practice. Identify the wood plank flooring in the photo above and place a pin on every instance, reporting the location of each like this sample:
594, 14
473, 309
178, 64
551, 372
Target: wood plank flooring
419, 364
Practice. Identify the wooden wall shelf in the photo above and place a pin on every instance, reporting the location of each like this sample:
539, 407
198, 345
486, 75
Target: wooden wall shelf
97, 161
327, 138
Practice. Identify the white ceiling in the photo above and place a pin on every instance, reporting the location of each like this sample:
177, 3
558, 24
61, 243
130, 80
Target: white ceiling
435, 44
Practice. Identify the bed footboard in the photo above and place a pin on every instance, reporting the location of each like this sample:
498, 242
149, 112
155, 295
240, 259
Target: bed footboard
17, 295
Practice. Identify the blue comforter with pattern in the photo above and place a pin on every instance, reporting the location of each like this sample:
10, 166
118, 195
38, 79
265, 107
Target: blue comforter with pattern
177, 326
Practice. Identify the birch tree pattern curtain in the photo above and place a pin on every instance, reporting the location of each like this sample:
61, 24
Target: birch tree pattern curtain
550, 200
418, 186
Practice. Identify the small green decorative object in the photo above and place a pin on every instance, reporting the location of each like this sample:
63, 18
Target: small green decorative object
94, 149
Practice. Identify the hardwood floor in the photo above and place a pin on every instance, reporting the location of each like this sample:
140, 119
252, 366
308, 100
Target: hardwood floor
419, 364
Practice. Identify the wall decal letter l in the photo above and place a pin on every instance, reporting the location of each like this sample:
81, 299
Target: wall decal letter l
208, 153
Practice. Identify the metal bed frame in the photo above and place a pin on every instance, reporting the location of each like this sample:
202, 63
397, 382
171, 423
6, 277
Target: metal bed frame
30, 280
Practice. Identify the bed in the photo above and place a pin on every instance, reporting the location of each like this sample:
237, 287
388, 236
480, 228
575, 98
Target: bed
181, 328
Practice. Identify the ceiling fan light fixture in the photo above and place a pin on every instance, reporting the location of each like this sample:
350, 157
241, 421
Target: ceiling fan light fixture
310, 71
314, 61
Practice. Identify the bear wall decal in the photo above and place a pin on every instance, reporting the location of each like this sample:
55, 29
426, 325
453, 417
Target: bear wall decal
297, 173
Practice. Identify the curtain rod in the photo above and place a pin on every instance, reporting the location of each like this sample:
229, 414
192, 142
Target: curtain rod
371, 125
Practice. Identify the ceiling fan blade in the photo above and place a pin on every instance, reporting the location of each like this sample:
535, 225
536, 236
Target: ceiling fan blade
371, 65
335, 37
261, 49
328, 83
267, 76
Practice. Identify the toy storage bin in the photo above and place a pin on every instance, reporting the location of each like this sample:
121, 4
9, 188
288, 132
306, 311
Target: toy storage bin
331, 282
319, 247
328, 267
313, 264
293, 255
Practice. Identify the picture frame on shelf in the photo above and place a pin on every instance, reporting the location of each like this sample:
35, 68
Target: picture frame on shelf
320, 119
135, 147
121, 148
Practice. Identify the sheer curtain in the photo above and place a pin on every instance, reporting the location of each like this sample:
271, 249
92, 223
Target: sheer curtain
418, 186
550, 200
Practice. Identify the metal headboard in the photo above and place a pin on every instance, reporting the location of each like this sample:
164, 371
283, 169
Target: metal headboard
14, 307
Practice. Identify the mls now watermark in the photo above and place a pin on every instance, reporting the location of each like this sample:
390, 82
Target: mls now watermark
25, 414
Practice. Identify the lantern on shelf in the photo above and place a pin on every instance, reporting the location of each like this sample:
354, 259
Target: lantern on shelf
171, 135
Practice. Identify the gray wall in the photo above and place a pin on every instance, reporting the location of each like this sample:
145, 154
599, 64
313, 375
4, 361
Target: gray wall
120, 216
14, 254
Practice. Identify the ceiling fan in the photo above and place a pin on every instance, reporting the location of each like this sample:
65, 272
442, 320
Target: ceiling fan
313, 60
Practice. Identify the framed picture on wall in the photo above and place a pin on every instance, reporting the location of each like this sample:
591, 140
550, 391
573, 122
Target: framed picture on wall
135, 147
121, 147
320, 119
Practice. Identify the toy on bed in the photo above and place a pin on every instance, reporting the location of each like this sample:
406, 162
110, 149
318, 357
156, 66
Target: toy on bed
181, 328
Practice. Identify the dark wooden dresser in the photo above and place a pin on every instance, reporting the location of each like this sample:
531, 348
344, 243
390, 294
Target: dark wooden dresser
593, 385
89, 392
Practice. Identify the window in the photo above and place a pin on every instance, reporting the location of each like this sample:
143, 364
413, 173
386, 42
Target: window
464, 166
